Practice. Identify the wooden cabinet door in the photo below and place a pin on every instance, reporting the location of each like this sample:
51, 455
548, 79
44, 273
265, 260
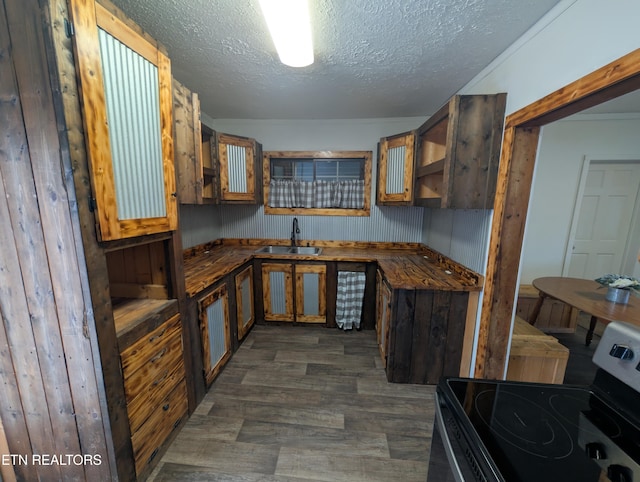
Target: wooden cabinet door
237, 158
311, 293
277, 291
383, 320
244, 301
395, 169
128, 124
215, 331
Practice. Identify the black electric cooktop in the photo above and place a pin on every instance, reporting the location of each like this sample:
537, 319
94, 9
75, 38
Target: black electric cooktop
543, 433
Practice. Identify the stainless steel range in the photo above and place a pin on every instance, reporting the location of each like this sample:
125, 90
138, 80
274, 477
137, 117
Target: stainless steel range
530, 432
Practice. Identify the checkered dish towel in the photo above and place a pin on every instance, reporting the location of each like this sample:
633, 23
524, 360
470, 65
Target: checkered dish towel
350, 298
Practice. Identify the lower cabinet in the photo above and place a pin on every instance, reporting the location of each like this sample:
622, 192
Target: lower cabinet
383, 317
311, 293
155, 389
244, 301
422, 333
215, 331
302, 302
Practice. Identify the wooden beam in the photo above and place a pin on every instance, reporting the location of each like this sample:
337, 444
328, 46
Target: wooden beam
507, 232
512, 197
608, 82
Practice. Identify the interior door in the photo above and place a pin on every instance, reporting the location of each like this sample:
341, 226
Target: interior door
603, 220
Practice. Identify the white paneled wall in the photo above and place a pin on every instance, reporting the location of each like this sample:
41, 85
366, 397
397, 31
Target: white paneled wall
385, 224
462, 235
199, 224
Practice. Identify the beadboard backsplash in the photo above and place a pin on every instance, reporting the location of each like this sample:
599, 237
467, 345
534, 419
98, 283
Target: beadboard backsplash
386, 224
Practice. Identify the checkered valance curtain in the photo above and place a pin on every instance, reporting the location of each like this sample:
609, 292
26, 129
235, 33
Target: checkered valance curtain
286, 193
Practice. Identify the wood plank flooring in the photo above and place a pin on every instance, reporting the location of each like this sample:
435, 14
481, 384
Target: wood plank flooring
299, 403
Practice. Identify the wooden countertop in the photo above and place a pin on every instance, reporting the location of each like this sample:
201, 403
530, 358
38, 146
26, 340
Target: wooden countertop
410, 267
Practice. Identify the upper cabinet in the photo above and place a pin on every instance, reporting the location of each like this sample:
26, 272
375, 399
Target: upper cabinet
125, 82
395, 169
212, 168
454, 158
193, 159
239, 177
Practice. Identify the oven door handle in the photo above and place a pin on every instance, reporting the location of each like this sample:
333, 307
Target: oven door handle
448, 448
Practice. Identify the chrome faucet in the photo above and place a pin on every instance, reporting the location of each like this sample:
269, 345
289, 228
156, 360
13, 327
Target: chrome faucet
295, 230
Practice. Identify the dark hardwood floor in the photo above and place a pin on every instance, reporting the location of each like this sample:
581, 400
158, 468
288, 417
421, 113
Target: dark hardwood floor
313, 404
580, 369
305, 404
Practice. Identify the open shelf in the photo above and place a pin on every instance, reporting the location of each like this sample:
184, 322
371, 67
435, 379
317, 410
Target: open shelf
433, 168
131, 313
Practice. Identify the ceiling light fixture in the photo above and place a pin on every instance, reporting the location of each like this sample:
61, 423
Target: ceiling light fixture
290, 28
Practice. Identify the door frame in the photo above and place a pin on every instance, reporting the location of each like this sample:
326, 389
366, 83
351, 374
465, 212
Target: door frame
586, 166
517, 160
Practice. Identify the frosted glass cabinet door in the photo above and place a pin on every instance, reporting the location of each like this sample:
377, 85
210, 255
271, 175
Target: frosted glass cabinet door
311, 306
277, 291
237, 159
395, 169
127, 108
215, 331
244, 301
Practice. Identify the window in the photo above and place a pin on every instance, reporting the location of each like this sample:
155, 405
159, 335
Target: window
317, 183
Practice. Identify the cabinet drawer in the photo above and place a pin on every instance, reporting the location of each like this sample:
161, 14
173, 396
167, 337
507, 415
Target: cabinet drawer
150, 394
165, 418
154, 368
152, 349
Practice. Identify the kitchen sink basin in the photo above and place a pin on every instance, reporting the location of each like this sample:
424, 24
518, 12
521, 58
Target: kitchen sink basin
304, 250
274, 249
289, 250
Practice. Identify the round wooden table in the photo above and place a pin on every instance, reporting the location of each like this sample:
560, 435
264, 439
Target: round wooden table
588, 296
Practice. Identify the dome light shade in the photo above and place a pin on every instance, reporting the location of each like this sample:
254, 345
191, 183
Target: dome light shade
290, 28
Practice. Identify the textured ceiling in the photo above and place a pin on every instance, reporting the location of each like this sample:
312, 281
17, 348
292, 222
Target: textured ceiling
373, 58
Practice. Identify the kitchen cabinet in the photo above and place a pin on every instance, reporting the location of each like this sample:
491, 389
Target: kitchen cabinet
425, 334
450, 161
148, 327
127, 115
215, 330
239, 169
155, 388
302, 302
115, 261
277, 291
193, 149
457, 153
310, 293
395, 169
383, 316
244, 301
212, 168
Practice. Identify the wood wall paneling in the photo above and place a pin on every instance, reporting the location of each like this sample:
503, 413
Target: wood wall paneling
72, 129
42, 298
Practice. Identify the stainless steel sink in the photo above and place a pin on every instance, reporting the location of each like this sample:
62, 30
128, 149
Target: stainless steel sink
274, 249
305, 250
289, 250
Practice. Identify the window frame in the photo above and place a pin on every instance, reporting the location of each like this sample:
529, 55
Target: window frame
366, 156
